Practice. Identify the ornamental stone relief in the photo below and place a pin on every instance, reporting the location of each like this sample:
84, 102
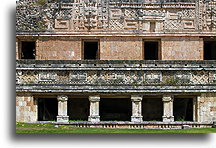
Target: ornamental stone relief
138, 78
47, 77
75, 16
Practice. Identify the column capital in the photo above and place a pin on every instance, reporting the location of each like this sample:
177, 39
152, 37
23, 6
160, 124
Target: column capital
136, 98
167, 98
62, 98
95, 98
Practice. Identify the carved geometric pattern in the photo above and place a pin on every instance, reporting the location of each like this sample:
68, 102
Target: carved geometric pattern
32, 17
130, 13
153, 77
29, 77
182, 77
200, 77
212, 77
173, 25
47, 77
187, 13
116, 25
78, 77
116, 77
207, 15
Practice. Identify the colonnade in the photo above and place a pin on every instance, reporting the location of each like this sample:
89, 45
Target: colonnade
136, 108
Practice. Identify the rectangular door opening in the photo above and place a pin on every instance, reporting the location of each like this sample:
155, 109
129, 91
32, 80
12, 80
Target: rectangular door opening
78, 109
183, 109
151, 50
112, 109
152, 109
28, 50
47, 109
91, 50
209, 50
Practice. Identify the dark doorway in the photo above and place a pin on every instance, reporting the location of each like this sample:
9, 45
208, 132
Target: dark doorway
209, 50
28, 50
151, 50
115, 109
152, 109
78, 108
183, 109
91, 50
47, 109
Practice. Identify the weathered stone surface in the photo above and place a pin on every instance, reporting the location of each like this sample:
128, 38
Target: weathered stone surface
115, 76
62, 109
167, 108
205, 103
136, 108
94, 109
135, 17
26, 108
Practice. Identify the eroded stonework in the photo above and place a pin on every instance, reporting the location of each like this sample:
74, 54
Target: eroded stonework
187, 76
57, 75
117, 16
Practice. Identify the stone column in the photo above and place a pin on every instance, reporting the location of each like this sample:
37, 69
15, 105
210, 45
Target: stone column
94, 109
136, 108
62, 109
195, 109
168, 108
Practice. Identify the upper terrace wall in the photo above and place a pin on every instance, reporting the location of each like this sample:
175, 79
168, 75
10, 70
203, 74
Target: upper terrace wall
132, 17
182, 48
116, 48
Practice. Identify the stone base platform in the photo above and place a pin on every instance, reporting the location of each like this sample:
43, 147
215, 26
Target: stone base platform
133, 125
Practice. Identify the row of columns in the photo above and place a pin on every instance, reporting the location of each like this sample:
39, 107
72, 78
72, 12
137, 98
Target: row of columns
136, 108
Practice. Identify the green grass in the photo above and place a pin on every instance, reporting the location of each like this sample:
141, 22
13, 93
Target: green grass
51, 128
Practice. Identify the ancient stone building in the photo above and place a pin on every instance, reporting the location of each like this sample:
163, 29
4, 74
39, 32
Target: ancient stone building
124, 60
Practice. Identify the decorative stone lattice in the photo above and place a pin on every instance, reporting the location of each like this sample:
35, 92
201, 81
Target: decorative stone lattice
109, 15
116, 77
29, 77
200, 77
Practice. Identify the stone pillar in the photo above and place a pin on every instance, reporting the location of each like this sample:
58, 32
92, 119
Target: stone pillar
168, 108
62, 109
136, 108
94, 109
195, 109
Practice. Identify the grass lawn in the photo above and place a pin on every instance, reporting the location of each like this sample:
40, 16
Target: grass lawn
50, 128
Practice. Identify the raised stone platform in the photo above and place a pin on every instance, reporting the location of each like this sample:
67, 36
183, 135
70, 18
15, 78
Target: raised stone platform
134, 125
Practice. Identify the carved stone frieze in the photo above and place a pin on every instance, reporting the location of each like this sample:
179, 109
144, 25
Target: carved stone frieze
134, 78
116, 16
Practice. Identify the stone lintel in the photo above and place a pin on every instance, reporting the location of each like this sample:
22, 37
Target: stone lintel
62, 98
167, 98
94, 98
136, 98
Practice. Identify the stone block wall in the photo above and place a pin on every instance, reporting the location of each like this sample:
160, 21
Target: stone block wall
182, 48
59, 48
117, 48
26, 108
121, 48
206, 107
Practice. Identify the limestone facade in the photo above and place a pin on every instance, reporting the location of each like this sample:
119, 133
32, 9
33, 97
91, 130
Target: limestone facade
57, 33
26, 108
